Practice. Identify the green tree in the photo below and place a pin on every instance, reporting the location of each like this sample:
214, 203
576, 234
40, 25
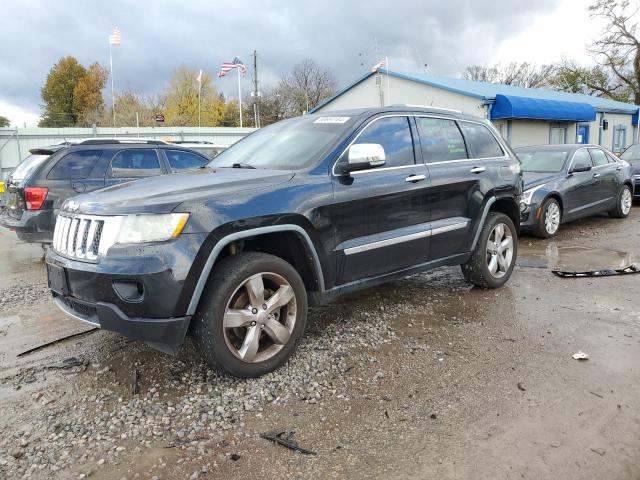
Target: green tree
88, 103
4, 121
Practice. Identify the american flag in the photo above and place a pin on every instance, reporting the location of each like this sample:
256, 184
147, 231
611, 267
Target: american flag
228, 66
377, 66
114, 38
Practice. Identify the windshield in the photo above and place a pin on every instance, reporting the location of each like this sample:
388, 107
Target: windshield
287, 145
631, 154
543, 161
27, 166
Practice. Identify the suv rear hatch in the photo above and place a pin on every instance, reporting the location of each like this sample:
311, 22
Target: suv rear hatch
19, 197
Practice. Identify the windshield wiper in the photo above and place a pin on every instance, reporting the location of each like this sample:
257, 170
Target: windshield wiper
242, 165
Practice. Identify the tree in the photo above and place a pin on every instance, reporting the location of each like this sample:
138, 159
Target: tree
593, 80
618, 49
4, 121
306, 86
88, 103
181, 99
72, 94
518, 74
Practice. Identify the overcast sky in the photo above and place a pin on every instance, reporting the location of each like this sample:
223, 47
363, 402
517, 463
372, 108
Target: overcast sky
347, 36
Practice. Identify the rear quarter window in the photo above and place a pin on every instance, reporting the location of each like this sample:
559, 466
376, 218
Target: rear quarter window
480, 140
75, 165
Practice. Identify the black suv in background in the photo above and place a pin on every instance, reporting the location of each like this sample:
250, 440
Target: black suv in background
37, 187
294, 214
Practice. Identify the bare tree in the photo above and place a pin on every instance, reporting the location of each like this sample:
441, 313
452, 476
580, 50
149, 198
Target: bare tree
306, 86
618, 49
518, 74
591, 80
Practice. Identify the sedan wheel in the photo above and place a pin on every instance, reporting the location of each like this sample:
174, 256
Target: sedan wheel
260, 317
500, 250
552, 218
625, 201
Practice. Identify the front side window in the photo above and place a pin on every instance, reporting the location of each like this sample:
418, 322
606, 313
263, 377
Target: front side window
481, 142
394, 134
440, 140
599, 157
75, 165
581, 159
181, 160
135, 163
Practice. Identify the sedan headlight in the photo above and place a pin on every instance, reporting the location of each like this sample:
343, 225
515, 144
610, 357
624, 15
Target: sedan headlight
527, 195
151, 227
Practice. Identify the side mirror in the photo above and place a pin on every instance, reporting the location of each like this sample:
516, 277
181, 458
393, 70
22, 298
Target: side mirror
585, 168
363, 156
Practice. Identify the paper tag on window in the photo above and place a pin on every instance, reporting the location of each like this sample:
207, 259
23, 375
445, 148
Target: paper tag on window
331, 120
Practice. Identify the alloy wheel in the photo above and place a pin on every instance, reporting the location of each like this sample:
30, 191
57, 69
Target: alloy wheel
500, 250
626, 201
259, 318
552, 218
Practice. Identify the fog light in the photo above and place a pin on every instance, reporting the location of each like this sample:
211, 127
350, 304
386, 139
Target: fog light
132, 292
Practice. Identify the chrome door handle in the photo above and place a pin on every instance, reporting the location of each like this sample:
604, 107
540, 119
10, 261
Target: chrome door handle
596, 175
618, 168
477, 170
414, 178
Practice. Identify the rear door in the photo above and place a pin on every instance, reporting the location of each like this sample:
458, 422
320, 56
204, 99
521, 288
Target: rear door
133, 164
381, 215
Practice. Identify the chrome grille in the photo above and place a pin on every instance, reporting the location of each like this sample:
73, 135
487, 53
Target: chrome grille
84, 236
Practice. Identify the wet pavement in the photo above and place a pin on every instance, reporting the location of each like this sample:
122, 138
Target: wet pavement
420, 378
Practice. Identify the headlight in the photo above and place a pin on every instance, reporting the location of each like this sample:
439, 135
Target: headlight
527, 195
151, 227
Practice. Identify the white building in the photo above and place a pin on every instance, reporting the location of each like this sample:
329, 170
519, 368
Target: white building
524, 116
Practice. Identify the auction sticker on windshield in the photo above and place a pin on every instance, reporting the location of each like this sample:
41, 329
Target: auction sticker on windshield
332, 120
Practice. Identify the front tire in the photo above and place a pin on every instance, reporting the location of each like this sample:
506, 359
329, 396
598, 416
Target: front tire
623, 204
252, 314
549, 221
494, 256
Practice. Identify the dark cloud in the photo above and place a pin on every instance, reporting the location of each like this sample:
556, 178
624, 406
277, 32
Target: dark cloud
158, 36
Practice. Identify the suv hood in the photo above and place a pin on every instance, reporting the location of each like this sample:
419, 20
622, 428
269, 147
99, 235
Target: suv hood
533, 179
162, 194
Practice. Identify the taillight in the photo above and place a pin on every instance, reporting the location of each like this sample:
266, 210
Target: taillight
34, 197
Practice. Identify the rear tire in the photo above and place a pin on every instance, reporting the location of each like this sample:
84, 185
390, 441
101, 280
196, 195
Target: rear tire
549, 221
623, 203
252, 314
494, 256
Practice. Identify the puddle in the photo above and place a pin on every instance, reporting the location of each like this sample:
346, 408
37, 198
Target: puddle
550, 255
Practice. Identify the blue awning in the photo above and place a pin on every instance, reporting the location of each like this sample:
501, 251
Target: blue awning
634, 118
507, 106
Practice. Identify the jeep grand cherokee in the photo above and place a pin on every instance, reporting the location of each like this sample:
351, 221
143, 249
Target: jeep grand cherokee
294, 214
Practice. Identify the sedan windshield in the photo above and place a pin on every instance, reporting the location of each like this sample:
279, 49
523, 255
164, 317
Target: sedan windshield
287, 145
543, 161
632, 154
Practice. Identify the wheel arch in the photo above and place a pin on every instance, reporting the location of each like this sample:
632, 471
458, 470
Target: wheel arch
505, 204
304, 258
558, 198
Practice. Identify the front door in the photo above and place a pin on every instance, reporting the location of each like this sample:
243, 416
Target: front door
581, 192
381, 215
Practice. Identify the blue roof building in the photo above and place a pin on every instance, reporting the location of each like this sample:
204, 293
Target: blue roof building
524, 116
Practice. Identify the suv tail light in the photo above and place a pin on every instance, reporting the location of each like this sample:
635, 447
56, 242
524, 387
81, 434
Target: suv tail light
34, 197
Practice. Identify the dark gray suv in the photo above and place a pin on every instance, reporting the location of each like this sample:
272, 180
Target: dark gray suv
35, 190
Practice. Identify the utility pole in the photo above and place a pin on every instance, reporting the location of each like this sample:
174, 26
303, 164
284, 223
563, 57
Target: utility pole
256, 93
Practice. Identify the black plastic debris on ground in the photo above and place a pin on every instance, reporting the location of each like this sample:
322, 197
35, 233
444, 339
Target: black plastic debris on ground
631, 269
279, 437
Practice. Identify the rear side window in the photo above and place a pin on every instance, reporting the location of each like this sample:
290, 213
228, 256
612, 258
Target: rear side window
440, 140
135, 163
599, 157
75, 165
394, 134
480, 140
181, 160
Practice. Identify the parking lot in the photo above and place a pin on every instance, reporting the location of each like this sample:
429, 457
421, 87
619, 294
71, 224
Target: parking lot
422, 378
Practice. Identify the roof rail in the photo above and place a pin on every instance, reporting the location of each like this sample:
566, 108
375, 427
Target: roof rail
106, 141
433, 108
178, 142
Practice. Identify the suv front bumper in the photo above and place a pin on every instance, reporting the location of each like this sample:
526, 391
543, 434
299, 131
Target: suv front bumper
100, 293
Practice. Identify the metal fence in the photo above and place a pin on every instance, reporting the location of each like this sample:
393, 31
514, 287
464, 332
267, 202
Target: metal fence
15, 143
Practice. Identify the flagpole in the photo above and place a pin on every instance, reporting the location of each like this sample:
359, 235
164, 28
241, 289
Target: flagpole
199, 103
386, 61
113, 98
239, 96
